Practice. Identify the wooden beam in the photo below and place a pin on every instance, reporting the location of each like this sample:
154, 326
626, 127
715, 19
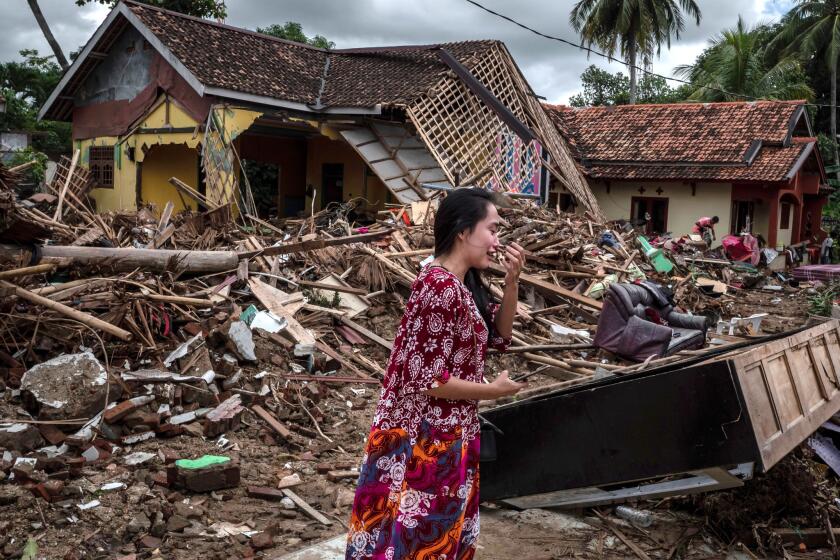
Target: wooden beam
315, 244
550, 288
128, 258
367, 334
273, 422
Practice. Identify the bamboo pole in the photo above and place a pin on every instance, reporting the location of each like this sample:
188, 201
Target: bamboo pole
27, 271
80, 316
63, 190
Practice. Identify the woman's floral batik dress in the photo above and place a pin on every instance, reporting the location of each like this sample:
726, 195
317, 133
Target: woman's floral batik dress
417, 495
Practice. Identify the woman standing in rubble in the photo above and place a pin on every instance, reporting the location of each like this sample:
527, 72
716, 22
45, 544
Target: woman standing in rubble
417, 495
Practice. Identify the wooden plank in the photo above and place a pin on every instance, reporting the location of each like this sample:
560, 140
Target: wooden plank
340, 359
301, 503
269, 297
273, 422
783, 389
162, 237
366, 333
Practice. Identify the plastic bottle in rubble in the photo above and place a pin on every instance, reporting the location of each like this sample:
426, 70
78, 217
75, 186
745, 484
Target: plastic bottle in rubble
635, 516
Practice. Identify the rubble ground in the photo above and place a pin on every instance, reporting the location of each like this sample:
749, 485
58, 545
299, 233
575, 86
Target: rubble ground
215, 438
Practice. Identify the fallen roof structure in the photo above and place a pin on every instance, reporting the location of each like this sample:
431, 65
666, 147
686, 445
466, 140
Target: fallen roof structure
705, 423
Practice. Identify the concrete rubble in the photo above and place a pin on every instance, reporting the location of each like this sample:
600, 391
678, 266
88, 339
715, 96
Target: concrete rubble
223, 414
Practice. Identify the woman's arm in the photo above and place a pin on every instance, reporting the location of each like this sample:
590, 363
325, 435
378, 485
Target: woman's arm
458, 389
514, 262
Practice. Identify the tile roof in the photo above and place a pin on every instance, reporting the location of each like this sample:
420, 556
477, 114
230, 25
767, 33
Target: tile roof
225, 57
241, 60
773, 163
702, 141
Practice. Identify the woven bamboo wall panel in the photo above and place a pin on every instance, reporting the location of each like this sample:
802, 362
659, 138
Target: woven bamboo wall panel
460, 129
464, 134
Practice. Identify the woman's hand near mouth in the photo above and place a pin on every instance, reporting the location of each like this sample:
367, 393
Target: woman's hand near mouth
513, 258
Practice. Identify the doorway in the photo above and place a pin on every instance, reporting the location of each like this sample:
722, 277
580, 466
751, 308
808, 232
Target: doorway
649, 214
332, 183
743, 217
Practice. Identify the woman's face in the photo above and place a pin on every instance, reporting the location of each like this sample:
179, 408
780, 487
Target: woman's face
479, 246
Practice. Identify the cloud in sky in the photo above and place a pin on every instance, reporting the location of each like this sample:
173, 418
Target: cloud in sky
553, 69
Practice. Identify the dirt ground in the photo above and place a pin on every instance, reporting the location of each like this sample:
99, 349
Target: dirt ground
148, 520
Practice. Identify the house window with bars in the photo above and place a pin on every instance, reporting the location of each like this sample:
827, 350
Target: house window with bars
101, 161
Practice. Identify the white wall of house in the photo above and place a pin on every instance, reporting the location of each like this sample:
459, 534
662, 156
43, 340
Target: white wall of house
709, 199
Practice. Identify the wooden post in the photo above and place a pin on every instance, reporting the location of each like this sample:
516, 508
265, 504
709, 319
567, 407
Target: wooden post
127, 258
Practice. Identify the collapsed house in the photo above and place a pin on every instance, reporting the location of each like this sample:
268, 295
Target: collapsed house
147, 104
755, 165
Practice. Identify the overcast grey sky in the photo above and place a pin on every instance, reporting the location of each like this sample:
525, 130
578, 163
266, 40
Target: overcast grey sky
553, 69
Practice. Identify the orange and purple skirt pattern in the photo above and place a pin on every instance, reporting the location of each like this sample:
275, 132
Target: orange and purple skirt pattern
416, 502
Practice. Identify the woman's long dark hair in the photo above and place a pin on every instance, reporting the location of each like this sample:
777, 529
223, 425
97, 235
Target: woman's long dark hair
461, 210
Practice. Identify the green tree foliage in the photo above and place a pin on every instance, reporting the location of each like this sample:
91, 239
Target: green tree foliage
293, 31
26, 86
602, 88
738, 66
811, 32
208, 9
636, 29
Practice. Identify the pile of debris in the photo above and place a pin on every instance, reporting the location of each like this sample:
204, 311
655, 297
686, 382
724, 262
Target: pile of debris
208, 378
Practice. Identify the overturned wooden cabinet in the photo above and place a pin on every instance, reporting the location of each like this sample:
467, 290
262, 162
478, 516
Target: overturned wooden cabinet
691, 427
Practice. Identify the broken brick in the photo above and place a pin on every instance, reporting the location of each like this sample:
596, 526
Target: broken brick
150, 420
224, 417
206, 479
265, 493
170, 430
262, 540
52, 434
120, 411
337, 476
150, 542
20, 437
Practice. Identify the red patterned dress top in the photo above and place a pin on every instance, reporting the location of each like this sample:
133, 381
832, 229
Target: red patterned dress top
417, 495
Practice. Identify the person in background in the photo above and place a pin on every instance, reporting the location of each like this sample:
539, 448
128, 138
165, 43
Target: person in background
417, 494
826, 249
705, 227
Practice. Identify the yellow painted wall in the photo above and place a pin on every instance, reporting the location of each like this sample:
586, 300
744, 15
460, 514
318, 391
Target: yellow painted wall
165, 155
124, 194
323, 150
162, 162
710, 199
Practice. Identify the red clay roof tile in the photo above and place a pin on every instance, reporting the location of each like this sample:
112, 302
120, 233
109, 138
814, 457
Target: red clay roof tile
244, 61
663, 141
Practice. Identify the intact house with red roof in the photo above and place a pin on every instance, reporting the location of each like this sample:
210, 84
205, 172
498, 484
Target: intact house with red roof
168, 108
755, 165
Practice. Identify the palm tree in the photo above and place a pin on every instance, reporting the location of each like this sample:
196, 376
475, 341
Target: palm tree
811, 29
45, 28
636, 28
733, 68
